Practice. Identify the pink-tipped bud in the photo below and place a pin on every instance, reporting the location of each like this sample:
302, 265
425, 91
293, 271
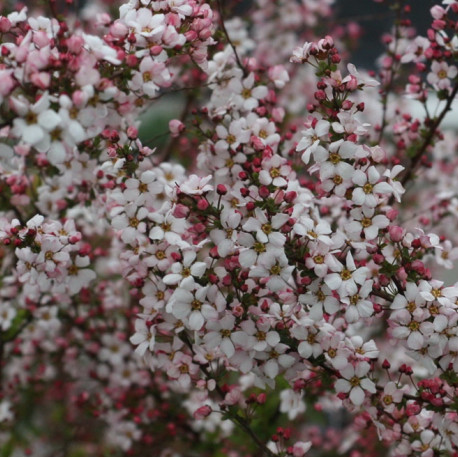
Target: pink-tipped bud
202, 412
176, 127
396, 233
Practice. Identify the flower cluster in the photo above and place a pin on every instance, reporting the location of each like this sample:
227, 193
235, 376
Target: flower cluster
282, 264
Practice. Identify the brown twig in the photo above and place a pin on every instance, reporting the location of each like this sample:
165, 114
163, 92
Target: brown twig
173, 140
429, 137
237, 419
226, 34
389, 86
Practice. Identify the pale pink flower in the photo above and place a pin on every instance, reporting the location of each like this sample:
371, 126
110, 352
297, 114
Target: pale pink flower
355, 382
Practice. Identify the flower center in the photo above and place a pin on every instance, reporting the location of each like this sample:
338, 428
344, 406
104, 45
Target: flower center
337, 180
230, 139
259, 247
366, 222
186, 272
260, 335
274, 173
411, 306
275, 270
160, 255
442, 74
196, 304
345, 274
354, 299
320, 295
184, 369
246, 93
334, 158
31, 118
387, 399
367, 188
73, 270
354, 381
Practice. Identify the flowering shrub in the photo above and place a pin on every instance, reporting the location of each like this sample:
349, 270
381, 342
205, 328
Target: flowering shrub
263, 283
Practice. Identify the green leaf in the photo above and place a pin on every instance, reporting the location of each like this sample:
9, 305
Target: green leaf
450, 376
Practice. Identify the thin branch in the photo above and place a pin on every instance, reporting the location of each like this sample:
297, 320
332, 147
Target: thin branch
389, 86
174, 140
234, 49
237, 419
428, 139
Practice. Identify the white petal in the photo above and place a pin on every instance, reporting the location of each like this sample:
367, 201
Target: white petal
357, 396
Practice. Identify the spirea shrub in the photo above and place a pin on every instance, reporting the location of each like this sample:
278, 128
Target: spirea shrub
275, 278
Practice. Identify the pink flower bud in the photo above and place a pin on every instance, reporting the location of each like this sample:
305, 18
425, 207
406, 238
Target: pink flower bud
202, 412
180, 211
75, 44
418, 266
131, 60
202, 204
119, 30
176, 127
5, 24
412, 409
396, 233
320, 95
155, 50
402, 274
132, 132
221, 190
278, 114
264, 192
41, 80
437, 12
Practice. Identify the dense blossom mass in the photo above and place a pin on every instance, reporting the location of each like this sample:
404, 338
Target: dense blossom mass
271, 279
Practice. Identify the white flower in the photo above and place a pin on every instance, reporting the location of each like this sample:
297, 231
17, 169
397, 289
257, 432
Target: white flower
245, 95
291, 403
310, 141
368, 187
220, 334
196, 185
226, 237
185, 269
355, 382
445, 255
345, 278
7, 314
78, 276
358, 304
267, 230
275, 268
231, 138
144, 337
189, 304
365, 221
